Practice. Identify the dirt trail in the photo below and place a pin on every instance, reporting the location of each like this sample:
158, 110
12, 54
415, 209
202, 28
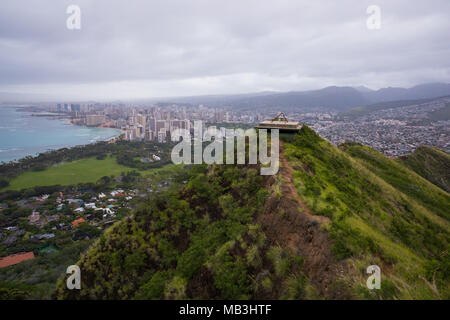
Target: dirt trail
299, 231
290, 191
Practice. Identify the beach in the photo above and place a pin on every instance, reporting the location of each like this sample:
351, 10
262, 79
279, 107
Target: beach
24, 134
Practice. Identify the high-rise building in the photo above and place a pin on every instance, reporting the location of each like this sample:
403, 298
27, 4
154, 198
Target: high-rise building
75, 107
140, 131
94, 119
142, 120
218, 116
162, 136
179, 124
161, 124
130, 134
149, 135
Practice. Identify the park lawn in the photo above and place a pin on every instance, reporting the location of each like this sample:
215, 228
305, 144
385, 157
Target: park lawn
78, 171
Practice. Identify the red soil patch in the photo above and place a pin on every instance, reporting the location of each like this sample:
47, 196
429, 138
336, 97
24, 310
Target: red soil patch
15, 259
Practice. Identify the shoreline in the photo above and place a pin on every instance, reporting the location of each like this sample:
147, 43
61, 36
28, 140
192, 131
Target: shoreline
34, 151
122, 132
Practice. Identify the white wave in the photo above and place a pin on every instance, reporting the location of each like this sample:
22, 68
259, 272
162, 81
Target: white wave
11, 149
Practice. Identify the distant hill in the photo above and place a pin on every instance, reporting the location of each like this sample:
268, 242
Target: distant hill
423, 91
308, 232
432, 164
364, 110
330, 98
440, 114
333, 98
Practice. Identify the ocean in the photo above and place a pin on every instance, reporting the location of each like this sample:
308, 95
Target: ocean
22, 134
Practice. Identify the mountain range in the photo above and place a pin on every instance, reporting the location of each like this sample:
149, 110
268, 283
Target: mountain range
333, 97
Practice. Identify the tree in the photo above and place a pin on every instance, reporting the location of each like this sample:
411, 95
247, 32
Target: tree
3, 183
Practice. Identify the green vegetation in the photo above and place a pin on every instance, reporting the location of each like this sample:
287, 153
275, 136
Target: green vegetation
36, 279
70, 173
200, 237
126, 154
197, 240
432, 164
81, 172
404, 180
3, 183
380, 212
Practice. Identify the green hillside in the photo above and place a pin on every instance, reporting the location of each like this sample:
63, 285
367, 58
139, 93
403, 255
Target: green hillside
309, 232
196, 241
432, 164
381, 213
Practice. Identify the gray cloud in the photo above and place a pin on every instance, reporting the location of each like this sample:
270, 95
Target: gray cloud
137, 48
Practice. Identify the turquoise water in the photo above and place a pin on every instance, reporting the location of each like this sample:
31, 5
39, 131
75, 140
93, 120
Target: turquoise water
23, 135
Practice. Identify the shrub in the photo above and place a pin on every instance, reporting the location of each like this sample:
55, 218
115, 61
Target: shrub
176, 288
280, 260
295, 287
154, 289
230, 277
3, 183
253, 256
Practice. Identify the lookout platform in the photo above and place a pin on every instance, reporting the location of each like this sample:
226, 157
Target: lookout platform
281, 123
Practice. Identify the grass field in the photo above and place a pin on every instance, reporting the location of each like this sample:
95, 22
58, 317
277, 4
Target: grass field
78, 171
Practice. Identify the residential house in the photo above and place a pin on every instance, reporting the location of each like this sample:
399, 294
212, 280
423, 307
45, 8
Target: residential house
77, 222
43, 236
91, 205
117, 193
43, 197
77, 202
52, 218
34, 217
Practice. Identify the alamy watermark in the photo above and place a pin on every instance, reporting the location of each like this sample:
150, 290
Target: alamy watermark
373, 22
73, 22
214, 152
74, 280
374, 281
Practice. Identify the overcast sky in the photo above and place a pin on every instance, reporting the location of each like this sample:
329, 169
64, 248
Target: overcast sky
146, 48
